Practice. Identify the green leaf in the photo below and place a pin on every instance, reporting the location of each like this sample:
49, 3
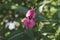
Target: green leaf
21, 9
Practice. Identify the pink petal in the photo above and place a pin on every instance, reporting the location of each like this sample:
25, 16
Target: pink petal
29, 23
32, 24
31, 13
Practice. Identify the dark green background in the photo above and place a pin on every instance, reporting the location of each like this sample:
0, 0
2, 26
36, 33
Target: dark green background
42, 25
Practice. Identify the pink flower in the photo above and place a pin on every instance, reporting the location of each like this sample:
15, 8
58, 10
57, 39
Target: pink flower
31, 13
29, 23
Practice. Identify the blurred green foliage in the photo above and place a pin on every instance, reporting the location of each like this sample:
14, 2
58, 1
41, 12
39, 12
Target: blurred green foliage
47, 23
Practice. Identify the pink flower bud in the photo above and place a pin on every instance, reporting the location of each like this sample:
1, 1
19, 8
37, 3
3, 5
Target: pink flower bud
29, 23
30, 13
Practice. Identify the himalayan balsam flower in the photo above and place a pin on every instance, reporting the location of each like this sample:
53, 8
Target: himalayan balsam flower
30, 13
29, 23
11, 25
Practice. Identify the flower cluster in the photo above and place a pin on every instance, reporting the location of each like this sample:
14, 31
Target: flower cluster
29, 20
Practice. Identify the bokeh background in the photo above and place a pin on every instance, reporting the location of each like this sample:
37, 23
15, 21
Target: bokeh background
47, 23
